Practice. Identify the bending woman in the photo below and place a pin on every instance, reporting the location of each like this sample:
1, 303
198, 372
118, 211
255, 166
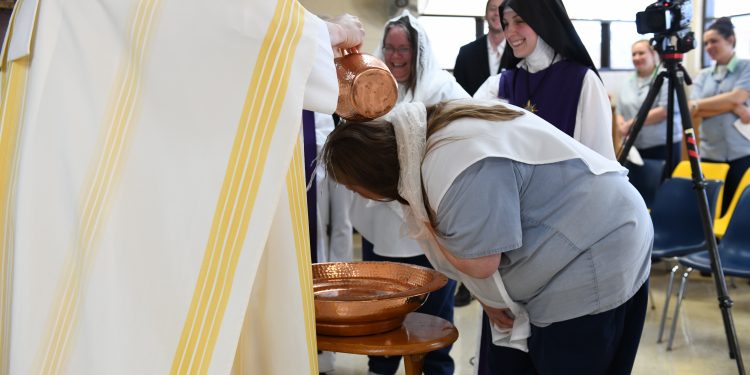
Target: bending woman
521, 213
720, 96
548, 71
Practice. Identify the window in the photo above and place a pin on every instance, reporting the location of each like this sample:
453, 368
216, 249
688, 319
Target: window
622, 37
591, 36
609, 10
730, 7
447, 35
472, 8
742, 31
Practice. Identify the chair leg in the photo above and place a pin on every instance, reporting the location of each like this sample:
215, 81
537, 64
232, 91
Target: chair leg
666, 302
680, 296
651, 298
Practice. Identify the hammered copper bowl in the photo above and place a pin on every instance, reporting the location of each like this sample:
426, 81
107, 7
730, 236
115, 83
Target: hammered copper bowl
364, 298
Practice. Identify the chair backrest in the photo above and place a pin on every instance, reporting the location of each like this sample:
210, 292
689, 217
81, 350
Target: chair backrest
676, 215
711, 171
646, 178
722, 223
737, 237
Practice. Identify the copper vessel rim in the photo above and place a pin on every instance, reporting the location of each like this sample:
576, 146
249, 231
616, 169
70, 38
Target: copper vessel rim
437, 281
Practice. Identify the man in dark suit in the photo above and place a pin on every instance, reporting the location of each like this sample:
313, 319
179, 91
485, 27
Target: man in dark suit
477, 59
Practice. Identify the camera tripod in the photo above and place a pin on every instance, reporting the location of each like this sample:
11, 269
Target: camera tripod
676, 75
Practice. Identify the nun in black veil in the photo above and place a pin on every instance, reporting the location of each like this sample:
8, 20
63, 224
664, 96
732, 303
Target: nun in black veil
549, 72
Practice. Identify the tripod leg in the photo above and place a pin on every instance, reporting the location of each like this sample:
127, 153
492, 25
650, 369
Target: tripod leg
677, 73
680, 296
666, 303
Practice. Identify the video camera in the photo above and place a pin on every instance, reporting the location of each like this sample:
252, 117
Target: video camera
665, 16
669, 21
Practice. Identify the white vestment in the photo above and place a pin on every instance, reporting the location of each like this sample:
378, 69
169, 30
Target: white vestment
149, 156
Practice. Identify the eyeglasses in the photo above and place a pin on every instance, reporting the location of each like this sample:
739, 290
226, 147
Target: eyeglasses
401, 51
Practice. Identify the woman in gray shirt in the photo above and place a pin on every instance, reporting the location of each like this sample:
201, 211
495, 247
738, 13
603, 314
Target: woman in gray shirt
652, 138
506, 193
720, 96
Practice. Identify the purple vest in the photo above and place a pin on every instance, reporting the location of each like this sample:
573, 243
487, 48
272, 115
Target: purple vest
554, 91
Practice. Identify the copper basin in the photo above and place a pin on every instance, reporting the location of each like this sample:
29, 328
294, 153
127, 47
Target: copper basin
367, 89
364, 298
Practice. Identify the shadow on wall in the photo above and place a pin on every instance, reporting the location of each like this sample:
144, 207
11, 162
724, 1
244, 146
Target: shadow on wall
373, 14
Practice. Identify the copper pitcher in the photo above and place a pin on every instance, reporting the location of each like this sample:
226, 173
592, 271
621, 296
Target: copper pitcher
367, 89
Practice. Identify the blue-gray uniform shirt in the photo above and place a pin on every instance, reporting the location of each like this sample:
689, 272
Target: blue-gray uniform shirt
572, 243
629, 101
719, 139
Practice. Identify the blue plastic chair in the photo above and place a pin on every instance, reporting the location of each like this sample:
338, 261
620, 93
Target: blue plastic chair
647, 178
678, 229
734, 252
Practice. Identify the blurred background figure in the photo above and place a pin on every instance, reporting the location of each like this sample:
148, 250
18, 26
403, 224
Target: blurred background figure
720, 97
651, 141
481, 58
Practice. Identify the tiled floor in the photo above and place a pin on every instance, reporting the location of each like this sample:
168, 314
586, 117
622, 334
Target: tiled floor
699, 347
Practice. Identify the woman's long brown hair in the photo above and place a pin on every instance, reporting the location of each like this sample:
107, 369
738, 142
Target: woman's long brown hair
365, 154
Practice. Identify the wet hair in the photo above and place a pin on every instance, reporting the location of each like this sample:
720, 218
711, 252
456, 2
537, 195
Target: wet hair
411, 35
366, 154
725, 28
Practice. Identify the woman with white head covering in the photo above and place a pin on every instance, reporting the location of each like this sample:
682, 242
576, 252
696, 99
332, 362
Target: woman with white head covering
549, 72
406, 51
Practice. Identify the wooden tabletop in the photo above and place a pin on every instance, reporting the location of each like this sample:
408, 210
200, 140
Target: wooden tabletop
420, 333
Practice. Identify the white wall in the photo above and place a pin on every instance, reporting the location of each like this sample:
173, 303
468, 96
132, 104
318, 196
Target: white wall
373, 14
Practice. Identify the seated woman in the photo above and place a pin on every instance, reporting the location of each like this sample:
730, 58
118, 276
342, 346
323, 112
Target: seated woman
522, 214
651, 141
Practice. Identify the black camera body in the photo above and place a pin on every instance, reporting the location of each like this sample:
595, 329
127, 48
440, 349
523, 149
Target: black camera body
669, 21
664, 17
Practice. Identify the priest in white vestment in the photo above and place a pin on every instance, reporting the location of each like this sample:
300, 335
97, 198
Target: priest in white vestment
152, 194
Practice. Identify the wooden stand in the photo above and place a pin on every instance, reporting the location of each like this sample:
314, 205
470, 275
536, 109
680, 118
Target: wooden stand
419, 335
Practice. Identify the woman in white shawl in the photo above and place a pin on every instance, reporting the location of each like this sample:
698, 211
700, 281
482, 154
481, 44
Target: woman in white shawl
406, 51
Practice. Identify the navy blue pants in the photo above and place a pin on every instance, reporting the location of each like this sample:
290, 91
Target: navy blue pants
438, 303
604, 343
660, 153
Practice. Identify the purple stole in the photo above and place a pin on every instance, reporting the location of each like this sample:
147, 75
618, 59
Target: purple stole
310, 151
553, 91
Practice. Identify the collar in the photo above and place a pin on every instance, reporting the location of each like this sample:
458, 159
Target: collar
649, 77
491, 48
540, 58
730, 66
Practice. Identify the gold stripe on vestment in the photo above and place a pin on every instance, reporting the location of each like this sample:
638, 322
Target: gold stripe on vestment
260, 113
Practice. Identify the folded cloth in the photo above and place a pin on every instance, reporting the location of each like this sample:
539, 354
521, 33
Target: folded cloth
743, 128
634, 157
489, 294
